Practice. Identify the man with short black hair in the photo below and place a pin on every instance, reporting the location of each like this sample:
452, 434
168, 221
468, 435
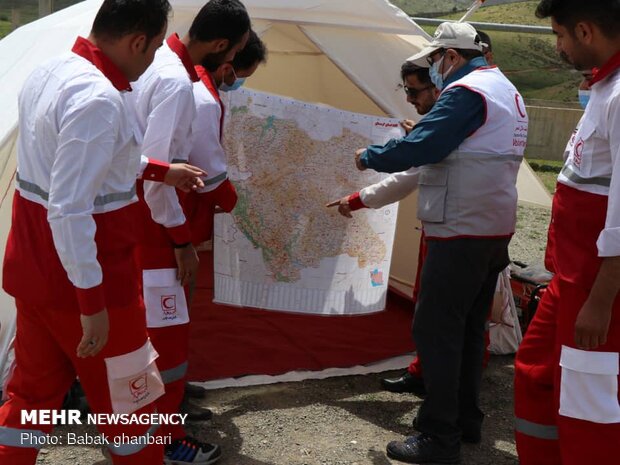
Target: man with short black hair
566, 370
165, 110
468, 148
69, 258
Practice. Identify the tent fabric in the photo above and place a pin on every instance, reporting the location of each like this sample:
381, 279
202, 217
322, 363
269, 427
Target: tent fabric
229, 342
342, 53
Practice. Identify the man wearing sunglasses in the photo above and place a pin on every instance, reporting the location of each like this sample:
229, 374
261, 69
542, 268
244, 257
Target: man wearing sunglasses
468, 149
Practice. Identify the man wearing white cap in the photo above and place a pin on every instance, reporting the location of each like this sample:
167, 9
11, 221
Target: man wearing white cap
468, 148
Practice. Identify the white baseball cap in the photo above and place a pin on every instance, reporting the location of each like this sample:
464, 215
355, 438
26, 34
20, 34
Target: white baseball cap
450, 35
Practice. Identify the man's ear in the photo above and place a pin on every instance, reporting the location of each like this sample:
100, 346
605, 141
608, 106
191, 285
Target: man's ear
220, 45
138, 43
584, 32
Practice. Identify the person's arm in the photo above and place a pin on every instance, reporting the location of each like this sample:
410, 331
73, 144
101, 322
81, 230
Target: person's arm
593, 320
391, 189
458, 113
167, 139
86, 142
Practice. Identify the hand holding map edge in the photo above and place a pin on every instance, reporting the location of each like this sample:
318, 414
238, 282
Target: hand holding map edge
358, 162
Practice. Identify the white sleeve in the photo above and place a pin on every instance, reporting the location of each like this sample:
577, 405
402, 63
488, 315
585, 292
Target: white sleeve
609, 240
86, 144
395, 187
168, 138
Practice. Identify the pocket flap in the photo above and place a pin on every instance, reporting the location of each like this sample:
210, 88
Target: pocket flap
584, 361
434, 176
165, 277
126, 365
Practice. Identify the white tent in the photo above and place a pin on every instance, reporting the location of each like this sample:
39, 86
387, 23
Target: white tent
343, 53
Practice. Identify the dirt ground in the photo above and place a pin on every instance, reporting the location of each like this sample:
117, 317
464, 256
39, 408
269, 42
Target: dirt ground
340, 421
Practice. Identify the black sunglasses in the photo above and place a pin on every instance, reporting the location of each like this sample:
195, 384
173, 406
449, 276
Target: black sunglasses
413, 93
430, 60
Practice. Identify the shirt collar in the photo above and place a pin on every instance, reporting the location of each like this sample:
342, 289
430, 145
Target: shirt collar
86, 49
207, 79
612, 64
180, 49
471, 65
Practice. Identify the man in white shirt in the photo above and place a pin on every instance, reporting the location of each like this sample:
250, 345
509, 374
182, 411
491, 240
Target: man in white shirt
566, 370
69, 256
165, 110
207, 150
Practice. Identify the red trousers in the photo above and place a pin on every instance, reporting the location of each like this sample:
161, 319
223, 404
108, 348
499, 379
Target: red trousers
567, 405
165, 301
46, 365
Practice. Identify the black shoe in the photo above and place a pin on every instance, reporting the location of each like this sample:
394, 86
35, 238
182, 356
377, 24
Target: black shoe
422, 449
194, 392
195, 412
405, 383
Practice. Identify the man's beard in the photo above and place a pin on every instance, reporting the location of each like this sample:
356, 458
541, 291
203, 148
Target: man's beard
213, 61
565, 58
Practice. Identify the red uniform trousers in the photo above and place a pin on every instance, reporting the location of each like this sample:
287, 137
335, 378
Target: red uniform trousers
415, 367
566, 400
45, 349
49, 330
170, 337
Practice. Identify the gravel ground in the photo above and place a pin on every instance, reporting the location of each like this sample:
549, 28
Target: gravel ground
339, 421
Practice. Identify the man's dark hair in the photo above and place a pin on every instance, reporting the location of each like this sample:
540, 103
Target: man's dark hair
484, 37
409, 68
469, 53
118, 18
604, 13
254, 52
220, 19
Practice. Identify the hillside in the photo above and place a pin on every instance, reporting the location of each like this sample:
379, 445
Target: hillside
529, 60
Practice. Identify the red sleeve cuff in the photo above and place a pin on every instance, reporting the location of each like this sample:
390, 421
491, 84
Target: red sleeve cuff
355, 202
180, 234
226, 196
155, 171
90, 300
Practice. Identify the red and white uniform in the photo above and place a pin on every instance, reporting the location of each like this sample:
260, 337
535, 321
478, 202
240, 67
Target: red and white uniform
208, 153
164, 104
566, 399
70, 252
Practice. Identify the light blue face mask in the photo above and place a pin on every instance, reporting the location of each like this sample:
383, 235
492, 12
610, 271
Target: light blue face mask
436, 77
584, 98
234, 86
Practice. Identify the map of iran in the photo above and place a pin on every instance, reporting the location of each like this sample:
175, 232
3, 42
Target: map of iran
281, 248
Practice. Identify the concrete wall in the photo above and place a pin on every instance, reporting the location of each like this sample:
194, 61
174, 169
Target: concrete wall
549, 130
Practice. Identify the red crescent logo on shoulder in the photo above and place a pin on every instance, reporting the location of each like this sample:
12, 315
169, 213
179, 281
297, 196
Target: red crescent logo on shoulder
520, 107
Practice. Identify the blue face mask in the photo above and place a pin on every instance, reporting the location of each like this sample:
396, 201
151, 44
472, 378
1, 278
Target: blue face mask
584, 98
234, 86
436, 77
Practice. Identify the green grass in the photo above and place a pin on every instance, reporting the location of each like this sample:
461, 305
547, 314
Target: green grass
5, 28
510, 13
547, 171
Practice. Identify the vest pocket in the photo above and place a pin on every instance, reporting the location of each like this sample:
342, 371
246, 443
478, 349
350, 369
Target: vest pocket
134, 380
589, 385
164, 298
432, 196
